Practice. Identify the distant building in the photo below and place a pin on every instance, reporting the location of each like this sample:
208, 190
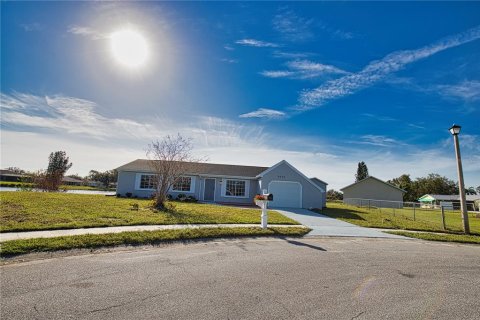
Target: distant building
8, 175
71, 181
434, 200
378, 192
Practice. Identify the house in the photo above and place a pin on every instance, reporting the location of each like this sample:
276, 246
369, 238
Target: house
434, 200
68, 181
375, 192
223, 183
11, 176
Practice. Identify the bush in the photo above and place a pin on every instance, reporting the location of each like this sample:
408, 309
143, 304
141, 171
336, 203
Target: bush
181, 197
128, 194
191, 199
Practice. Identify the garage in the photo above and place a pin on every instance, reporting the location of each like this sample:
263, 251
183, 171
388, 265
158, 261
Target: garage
287, 194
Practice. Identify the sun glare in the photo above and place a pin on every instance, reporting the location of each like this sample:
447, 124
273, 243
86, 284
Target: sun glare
129, 48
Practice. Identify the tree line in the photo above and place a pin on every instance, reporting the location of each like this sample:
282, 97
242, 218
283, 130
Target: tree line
431, 184
51, 179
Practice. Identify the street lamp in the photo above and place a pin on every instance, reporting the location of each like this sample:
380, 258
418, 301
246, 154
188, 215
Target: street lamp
455, 130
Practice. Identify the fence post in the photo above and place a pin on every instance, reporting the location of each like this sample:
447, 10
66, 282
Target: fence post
414, 211
443, 218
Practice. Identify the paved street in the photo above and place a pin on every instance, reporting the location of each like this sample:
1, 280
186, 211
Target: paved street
314, 278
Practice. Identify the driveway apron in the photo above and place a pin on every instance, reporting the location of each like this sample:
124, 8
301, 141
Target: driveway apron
325, 226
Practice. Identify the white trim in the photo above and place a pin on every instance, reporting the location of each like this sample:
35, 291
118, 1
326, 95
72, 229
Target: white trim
282, 181
224, 188
294, 169
192, 185
138, 178
226, 177
214, 189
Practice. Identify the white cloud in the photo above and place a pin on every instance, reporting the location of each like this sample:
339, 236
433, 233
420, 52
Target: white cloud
378, 70
466, 90
40, 125
67, 115
291, 55
303, 69
256, 43
30, 27
378, 141
264, 113
277, 73
87, 32
292, 26
378, 117
229, 60
228, 47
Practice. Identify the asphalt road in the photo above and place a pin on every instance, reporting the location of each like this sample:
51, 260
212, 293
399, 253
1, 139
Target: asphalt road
324, 278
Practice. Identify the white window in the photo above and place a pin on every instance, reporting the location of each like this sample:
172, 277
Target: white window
235, 188
147, 181
183, 184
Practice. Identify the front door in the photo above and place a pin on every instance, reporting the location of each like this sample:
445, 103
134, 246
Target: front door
209, 191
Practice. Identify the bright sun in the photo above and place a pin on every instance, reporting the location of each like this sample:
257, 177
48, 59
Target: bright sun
129, 48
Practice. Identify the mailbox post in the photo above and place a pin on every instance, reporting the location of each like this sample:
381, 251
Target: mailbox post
262, 202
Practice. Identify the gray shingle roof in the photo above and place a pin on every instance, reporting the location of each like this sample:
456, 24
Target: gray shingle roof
142, 165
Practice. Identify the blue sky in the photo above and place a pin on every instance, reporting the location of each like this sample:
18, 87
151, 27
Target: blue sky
322, 85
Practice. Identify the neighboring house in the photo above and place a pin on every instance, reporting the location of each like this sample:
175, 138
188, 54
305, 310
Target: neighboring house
434, 200
224, 183
71, 181
8, 175
379, 192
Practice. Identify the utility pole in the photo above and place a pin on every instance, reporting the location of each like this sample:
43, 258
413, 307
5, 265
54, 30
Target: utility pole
455, 130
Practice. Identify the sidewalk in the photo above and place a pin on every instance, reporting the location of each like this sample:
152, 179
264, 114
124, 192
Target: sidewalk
7, 236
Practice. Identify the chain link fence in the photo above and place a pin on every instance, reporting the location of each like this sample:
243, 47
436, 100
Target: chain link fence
448, 218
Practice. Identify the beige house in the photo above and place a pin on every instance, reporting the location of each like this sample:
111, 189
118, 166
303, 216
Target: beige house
373, 191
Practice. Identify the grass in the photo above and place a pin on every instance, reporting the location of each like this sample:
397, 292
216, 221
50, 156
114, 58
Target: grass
461, 238
16, 247
24, 211
11, 184
425, 220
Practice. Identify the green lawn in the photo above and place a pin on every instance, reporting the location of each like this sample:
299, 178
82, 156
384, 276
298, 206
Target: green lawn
22, 211
461, 238
425, 220
16, 247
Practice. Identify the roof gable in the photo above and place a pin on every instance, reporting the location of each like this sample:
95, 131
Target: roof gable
372, 177
294, 169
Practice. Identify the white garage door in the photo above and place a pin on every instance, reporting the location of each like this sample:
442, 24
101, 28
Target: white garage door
286, 194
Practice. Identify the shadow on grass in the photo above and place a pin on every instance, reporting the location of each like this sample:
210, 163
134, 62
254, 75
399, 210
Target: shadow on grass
340, 213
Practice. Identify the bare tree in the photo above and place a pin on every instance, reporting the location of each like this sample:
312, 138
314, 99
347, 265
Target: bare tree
170, 159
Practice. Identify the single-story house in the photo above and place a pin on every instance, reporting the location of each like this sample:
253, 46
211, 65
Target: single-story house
434, 200
223, 183
372, 191
11, 176
69, 181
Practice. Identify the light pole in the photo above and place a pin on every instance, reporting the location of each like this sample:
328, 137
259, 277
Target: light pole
455, 130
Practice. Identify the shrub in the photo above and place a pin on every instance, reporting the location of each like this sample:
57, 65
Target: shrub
191, 199
128, 194
181, 197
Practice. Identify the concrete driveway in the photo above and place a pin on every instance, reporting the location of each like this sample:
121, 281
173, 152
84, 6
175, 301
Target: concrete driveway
325, 226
